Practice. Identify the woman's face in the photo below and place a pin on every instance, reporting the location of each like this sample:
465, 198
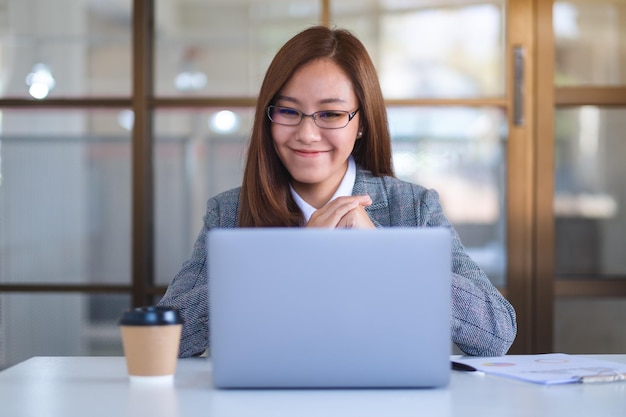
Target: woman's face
316, 158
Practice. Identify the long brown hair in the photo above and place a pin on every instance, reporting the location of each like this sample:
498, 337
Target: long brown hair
265, 200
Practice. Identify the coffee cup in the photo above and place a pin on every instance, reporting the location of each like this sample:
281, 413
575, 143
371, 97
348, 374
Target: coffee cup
151, 338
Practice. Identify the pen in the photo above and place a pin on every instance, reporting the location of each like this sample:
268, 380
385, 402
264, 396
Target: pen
458, 366
608, 377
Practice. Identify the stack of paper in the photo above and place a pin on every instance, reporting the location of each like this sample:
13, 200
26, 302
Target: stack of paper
553, 368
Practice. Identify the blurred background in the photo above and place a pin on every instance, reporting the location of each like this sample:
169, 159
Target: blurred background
118, 120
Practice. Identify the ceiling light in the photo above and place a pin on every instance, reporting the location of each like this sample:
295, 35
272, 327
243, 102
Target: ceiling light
40, 81
224, 121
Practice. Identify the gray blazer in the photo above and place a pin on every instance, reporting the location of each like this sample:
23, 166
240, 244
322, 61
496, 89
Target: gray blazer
482, 323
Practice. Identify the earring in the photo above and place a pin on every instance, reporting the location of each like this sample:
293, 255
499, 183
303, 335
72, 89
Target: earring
360, 134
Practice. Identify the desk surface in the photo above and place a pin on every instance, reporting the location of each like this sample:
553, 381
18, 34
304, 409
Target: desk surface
98, 386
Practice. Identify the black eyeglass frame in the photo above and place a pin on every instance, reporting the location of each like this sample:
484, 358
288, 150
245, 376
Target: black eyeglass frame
312, 116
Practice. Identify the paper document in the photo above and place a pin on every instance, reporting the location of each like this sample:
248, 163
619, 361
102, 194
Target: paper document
553, 368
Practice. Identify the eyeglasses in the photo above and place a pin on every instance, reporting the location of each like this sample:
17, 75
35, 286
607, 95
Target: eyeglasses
326, 119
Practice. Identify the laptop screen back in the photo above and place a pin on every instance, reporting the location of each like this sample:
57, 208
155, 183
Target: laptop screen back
292, 308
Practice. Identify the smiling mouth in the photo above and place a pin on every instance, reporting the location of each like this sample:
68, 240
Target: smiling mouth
308, 153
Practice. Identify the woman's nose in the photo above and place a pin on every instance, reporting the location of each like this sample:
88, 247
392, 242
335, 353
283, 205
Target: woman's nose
308, 131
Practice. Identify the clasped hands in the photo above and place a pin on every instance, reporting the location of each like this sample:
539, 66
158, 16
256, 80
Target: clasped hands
343, 212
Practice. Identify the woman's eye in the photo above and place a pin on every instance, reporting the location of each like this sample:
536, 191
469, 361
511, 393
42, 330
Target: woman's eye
289, 113
329, 115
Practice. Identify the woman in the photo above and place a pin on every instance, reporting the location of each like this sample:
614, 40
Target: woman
320, 156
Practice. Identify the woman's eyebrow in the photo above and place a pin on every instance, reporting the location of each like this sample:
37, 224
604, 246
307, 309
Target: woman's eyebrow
332, 100
287, 98
324, 101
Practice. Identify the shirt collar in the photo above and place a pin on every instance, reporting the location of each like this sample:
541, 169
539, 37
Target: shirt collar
344, 189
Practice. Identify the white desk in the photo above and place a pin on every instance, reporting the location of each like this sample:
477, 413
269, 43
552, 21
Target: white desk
98, 386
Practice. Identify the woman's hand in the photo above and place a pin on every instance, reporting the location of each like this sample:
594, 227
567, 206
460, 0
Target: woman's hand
343, 212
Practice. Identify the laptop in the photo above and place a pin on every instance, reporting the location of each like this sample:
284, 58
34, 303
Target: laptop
329, 308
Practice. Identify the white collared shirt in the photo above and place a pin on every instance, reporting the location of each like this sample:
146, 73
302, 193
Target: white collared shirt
345, 189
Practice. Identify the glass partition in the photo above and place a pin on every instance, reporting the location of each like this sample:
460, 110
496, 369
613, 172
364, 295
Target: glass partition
198, 154
65, 48
461, 153
589, 200
590, 42
589, 325
64, 197
432, 49
223, 48
62, 324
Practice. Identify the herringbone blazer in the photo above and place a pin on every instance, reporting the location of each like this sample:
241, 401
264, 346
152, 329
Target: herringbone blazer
482, 320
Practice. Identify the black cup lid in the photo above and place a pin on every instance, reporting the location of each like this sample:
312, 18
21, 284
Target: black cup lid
150, 316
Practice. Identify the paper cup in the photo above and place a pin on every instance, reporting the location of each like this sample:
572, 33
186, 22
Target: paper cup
151, 338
